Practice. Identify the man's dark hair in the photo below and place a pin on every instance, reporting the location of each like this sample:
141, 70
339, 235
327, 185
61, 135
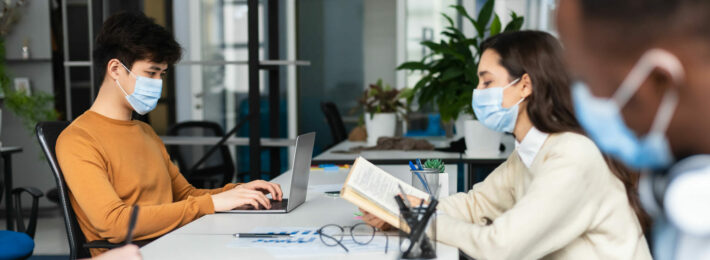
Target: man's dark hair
132, 36
640, 22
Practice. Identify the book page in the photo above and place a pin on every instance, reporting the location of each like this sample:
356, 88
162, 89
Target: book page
379, 186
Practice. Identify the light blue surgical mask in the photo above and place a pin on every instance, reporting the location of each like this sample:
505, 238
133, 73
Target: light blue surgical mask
488, 106
601, 117
146, 93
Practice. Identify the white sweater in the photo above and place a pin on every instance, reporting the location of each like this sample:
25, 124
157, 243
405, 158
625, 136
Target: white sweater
567, 205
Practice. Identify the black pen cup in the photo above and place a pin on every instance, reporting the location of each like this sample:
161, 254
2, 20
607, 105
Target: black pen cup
417, 241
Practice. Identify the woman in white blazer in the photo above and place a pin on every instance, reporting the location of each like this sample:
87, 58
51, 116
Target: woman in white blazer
556, 196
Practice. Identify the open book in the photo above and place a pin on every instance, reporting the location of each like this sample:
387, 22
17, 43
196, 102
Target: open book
372, 189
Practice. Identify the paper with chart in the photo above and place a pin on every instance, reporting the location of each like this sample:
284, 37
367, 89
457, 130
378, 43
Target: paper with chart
373, 190
306, 241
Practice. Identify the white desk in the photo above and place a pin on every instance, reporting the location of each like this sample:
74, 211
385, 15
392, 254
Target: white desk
333, 155
208, 237
399, 157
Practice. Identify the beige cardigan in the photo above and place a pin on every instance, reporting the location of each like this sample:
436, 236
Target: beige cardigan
567, 205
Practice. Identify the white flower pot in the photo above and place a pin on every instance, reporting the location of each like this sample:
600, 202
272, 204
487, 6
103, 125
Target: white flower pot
459, 125
481, 141
381, 124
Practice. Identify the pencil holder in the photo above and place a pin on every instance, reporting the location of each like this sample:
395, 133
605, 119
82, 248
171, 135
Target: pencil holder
417, 243
426, 179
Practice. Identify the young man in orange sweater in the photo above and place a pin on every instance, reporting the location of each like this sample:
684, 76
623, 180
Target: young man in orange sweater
111, 162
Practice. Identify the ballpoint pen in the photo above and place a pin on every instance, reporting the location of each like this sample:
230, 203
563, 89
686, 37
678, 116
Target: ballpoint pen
411, 166
260, 235
131, 224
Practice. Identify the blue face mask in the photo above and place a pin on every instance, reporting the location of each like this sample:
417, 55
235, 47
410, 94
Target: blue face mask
602, 120
146, 93
488, 106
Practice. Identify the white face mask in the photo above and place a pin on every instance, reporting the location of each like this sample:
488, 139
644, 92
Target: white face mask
146, 93
602, 120
488, 106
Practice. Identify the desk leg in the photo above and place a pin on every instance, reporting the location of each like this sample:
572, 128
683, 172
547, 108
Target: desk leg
7, 162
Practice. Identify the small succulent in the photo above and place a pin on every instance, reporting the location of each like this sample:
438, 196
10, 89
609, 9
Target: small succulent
435, 164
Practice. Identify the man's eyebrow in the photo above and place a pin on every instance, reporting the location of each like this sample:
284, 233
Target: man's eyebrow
155, 68
483, 73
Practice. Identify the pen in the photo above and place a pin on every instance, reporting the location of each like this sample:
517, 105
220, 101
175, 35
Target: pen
419, 163
404, 195
260, 235
131, 225
411, 165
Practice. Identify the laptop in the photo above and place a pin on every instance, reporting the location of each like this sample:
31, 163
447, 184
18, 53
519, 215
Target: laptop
299, 179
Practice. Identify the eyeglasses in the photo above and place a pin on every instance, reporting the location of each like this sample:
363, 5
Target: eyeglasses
362, 234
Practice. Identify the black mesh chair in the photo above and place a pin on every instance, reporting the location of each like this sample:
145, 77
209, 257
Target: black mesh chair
335, 122
35, 194
47, 133
17, 243
19, 218
217, 170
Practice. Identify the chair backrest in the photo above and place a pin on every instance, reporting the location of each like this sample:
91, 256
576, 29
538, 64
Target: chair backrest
335, 122
219, 163
47, 133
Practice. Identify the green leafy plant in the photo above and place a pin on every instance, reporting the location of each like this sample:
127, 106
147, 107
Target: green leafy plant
379, 98
435, 164
449, 71
31, 109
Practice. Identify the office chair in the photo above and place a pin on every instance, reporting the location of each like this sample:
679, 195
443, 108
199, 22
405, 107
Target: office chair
18, 244
217, 170
335, 122
47, 133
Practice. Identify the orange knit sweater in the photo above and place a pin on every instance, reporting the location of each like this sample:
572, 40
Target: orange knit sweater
110, 165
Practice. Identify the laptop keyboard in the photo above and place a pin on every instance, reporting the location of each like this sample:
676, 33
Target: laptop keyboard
275, 205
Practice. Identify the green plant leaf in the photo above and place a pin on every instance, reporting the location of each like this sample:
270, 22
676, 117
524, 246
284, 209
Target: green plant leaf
484, 16
462, 11
515, 23
458, 34
495, 26
451, 21
454, 53
413, 65
451, 73
435, 47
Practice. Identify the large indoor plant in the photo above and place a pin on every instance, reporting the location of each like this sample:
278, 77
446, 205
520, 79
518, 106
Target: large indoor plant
449, 71
382, 103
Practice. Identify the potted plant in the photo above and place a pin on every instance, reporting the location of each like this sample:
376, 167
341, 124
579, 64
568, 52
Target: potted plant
437, 179
449, 73
382, 103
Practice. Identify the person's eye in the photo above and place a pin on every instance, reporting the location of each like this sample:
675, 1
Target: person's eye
486, 83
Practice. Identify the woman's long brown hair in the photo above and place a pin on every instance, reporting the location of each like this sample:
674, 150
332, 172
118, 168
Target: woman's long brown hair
549, 107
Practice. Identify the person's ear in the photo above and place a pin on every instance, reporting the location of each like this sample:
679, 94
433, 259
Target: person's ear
527, 88
112, 69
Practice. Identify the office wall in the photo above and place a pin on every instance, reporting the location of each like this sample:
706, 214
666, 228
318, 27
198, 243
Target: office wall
379, 41
29, 169
330, 36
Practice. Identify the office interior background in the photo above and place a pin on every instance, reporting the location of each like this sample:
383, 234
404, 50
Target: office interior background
320, 51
